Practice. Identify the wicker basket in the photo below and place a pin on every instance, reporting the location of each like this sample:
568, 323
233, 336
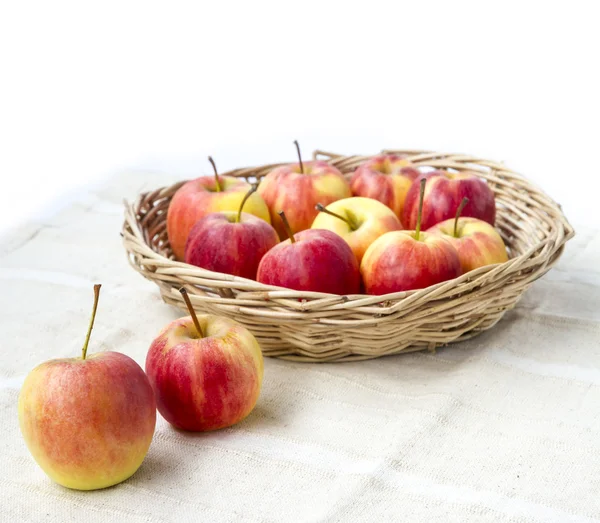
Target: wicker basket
310, 327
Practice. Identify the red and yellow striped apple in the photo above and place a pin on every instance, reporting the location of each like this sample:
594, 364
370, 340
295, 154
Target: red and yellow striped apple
386, 178
314, 260
206, 371
89, 421
408, 260
297, 188
233, 243
477, 242
204, 195
359, 221
444, 193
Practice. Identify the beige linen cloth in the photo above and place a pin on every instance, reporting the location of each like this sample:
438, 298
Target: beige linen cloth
505, 427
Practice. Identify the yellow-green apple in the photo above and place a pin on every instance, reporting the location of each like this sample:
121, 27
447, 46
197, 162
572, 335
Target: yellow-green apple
360, 221
199, 197
88, 421
386, 178
476, 241
407, 260
229, 242
297, 188
445, 190
312, 260
206, 371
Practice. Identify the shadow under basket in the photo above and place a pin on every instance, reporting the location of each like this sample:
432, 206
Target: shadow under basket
313, 327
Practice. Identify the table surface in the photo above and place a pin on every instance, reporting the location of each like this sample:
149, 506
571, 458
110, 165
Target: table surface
504, 427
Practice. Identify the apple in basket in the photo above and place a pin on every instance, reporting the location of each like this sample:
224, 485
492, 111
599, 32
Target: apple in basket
206, 371
230, 242
445, 190
477, 242
314, 260
298, 188
407, 260
386, 178
360, 221
199, 197
88, 421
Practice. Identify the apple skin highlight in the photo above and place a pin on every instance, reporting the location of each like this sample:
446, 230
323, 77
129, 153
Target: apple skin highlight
218, 243
318, 261
397, 262
385, 178
88, 422
372, 219
287, 188
444, 193
477, 242
199, 197
209, 382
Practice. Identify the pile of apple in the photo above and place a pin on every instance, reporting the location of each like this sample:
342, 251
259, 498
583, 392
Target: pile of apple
390, 228
89, 421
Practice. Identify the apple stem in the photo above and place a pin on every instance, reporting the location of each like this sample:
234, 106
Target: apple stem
187, 301
321, 208
218, 184
299, 156
248, 194
464, 202
286, 226
89, 332
420, 213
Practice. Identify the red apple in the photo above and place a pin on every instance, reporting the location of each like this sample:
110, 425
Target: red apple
233, 243
89, 421
360, 221
314, 260
206, 371
407, 260
298, 188
386, 178
445, 190
477, 242
204, 195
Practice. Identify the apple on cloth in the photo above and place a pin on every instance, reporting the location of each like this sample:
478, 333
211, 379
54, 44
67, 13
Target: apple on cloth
408, 260
314, 260
297, 188
88, 421
386, 178
477, 242
230, 242
443, 195
206, 371
359, 221
199, 197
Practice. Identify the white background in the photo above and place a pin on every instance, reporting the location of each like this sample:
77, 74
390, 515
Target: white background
88, 89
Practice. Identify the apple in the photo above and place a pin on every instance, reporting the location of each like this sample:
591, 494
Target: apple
228, 242
385, 178
199, 197
312, 260
88, 421
407, 260
298, 188
445, 190
206, 371
477, 242
359, 221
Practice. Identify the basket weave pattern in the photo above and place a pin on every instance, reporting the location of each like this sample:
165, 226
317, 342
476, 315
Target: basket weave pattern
307, 326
